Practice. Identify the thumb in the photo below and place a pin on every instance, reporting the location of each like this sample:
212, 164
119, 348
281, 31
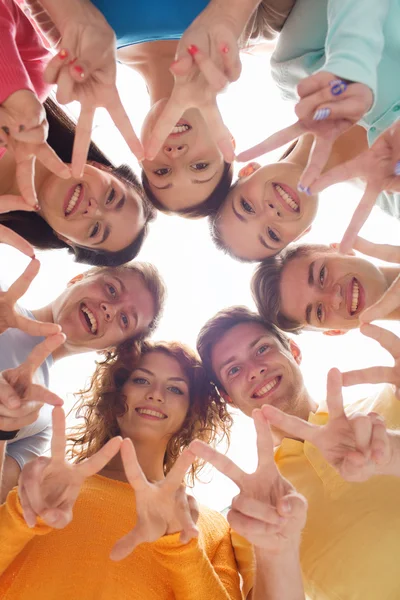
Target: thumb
182, 65
129, 542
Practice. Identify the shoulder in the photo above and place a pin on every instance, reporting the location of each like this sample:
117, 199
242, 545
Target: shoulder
211, 522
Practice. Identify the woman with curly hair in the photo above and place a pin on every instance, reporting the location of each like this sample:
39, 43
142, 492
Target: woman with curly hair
158, 398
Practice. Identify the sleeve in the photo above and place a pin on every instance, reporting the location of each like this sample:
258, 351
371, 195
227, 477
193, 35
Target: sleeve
22, 55
355, 39
193, 575
26, 449
14, 532
245, 560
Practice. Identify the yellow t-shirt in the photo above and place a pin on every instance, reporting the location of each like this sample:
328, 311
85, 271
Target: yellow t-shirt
351, 542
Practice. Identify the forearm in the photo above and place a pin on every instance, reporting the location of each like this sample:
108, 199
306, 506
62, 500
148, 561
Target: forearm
239, 11
11, 472
2, 455
393, 468
278, 576
63, 12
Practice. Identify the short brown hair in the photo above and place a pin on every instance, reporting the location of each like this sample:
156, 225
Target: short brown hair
265, 284
152, 280
102, 402
205, 208
216, 327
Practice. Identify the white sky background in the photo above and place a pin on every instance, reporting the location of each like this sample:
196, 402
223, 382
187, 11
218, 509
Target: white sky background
200, 279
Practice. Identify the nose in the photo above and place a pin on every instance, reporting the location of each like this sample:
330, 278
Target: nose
92, 209
108, 311
335, 296
155, 395
255, 371
176, 151
273, 209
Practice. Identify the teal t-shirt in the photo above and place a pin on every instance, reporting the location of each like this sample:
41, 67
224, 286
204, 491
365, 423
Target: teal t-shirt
135, 21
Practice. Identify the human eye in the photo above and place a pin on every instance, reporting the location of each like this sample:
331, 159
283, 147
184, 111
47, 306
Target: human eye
273, 235
232, 371
322, 275
111, 196
124, 321
162, 172
246, 206
319, 312
95, 230
262, 349
175, 390
200, 166
140, 380
112, 290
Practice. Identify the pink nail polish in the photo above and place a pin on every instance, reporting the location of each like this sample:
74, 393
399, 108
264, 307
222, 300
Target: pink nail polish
63, 54
225, 49
193, 50
79, 70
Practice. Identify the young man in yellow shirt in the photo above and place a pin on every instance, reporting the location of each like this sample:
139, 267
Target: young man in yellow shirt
351, 540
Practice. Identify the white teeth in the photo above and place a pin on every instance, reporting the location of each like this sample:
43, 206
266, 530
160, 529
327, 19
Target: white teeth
180, 128
266, 388
74, 199
91, 317
355, 297
153, 413
288, 199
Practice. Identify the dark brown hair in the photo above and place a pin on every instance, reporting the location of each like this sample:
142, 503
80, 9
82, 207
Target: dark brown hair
38, 232
205, 208
216, 327
102, 402
265, 284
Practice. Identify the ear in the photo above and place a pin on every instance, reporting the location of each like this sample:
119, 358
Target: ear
334, 332
233, 141
304, 233
249, 169
75, 279
336, 247
225, 396
296, 352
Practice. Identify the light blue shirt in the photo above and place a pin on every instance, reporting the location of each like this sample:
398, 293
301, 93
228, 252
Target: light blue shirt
354, 39
136, 21
34, 439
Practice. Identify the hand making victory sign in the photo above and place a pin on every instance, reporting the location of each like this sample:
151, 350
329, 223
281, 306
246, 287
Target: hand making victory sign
49, 486
20, 398
268, 511
162, 507
357, 446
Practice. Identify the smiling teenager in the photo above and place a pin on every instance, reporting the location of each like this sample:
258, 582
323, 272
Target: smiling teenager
316, 287
109, 220
253, 365
99, 310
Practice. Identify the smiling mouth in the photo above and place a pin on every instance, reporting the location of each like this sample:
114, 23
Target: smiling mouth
74, 200
289, 200
89, 318
354, 302
180, 128
151, 413
267, 388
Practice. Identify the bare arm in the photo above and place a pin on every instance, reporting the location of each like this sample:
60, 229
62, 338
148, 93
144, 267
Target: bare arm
9, 476
277, 576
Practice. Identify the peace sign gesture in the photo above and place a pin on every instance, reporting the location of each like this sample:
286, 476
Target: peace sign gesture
162, 508
390, 342
268, 512
355, 446
48, 487
10, 317
379, 166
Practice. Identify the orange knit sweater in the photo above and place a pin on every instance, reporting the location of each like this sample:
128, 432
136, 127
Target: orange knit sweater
73, 563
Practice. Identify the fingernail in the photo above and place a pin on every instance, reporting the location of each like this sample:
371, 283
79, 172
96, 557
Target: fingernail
321, 114
193, 50
63, 54
338, 86
79, 70
37, 206
397, 169
225, 49
305, 190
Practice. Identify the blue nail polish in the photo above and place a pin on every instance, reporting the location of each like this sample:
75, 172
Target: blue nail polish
321, 114
305, 190
397, 169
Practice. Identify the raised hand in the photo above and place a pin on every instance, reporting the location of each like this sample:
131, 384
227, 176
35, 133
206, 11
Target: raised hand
379, 166
357, 446
10, 317
23, 130
162, 508
390, 342
85, 70
268, 511
390, 300
20, 398
49, 487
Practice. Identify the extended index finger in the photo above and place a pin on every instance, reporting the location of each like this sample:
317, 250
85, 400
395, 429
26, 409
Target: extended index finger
83, 134
387, 339
124, 125
276, 140
382, 251
95, 463
21, 285
289, 424
265, 444
222, 463
43, 350
334, 396
171, 114
386, 304
179, 470
360, 215
58, 438
342, 172
132, 468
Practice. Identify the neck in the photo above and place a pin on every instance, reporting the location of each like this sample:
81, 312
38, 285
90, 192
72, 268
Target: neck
304, 406
152, 60
150, 457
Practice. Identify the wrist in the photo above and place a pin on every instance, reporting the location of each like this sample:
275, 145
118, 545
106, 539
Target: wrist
393, 466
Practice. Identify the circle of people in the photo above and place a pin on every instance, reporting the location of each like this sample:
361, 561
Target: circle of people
106, 514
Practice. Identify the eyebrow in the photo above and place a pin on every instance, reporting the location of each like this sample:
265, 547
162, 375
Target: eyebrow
170, 185
151, 373
251, 346
239, 216
123, 290
310, 283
